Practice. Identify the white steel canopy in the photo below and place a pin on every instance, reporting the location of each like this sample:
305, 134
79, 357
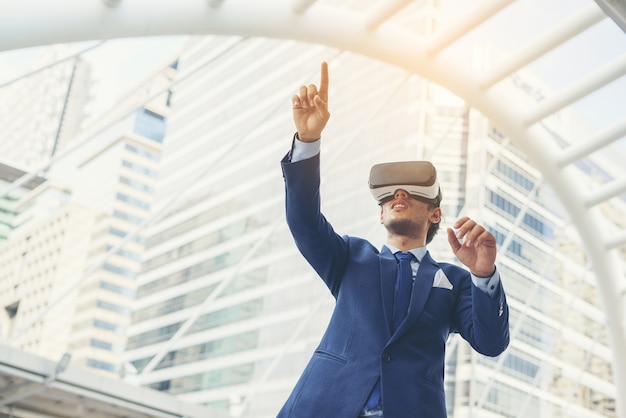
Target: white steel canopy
382, 30
31, 386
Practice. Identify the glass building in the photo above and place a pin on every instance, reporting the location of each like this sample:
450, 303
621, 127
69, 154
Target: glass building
228, 312
71, 262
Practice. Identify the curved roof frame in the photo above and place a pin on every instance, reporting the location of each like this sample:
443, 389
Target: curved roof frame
370, 32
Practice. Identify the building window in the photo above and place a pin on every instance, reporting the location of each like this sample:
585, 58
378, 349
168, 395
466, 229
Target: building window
140, 169
137, 185
133, 201
124, 291
130, 255
143, 152
98, 323
102, 365
515, 177
120, 233
229, 376
119, 270
150, 125
104, 345
113, 307
127, 217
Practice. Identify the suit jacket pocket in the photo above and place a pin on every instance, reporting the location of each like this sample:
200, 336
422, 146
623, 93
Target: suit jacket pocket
330, 356
442, 281
437, 312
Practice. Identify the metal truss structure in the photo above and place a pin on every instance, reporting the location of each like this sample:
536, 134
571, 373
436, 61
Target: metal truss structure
379, 29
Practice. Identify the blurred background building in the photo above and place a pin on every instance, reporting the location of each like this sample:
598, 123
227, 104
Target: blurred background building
153, 246
41, 111
70, 265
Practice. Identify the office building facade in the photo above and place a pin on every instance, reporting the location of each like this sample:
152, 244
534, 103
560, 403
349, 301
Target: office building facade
227, 312
71, 262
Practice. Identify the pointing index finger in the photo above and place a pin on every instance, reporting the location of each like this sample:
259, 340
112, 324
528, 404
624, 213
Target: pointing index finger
323, 91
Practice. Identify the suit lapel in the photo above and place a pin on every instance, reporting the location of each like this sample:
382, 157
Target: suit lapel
388, 268
421, 290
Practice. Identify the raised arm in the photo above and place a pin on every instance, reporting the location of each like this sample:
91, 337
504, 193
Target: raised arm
310, 108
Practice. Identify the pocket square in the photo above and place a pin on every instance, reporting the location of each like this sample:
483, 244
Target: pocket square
441, 280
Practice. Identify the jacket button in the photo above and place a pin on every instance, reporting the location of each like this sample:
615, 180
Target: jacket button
386, 358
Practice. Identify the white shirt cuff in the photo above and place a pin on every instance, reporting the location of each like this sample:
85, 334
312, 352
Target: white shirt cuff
489, 285
304, 150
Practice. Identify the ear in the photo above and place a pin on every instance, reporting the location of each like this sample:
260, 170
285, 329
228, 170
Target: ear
435, 215
381, 215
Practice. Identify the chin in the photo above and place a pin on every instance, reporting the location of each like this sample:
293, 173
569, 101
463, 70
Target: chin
405, 227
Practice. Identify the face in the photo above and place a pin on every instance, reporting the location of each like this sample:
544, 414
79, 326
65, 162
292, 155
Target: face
406, 216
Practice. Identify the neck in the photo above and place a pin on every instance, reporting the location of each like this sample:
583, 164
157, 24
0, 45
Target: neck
404, 243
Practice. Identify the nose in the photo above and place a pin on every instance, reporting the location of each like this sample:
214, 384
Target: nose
400, 194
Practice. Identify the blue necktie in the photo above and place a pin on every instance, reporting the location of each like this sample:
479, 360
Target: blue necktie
404, 286
401, 300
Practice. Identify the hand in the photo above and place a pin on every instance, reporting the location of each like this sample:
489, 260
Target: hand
310, 108
478, 250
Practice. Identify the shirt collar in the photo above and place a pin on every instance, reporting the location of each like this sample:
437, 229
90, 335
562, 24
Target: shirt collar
417, 252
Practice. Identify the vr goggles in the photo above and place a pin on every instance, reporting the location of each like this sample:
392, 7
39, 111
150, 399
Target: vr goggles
418, 178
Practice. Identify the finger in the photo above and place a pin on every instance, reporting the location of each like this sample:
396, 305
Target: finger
465, 231
474, 233
324, 81
464, 225
311, 93
295, 102
486, 238
453, 241
460, 222
304, 100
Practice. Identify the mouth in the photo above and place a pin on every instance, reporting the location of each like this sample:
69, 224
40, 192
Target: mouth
399, 205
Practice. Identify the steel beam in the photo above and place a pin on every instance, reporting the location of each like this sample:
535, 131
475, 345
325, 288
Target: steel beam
382, 11
592, 82
607, 191
483, 12
615, 241
564, 31
599, 140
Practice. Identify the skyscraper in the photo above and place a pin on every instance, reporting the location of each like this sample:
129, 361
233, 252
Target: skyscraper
70, 265
227, 311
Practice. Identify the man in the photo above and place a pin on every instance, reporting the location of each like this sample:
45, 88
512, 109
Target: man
376, 357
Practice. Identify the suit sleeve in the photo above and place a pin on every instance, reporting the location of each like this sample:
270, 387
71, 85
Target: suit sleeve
481, 319
326, 251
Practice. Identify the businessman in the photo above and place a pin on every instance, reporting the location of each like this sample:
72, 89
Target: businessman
383, 352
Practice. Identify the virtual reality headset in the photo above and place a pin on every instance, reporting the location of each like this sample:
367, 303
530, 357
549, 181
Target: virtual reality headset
418, 178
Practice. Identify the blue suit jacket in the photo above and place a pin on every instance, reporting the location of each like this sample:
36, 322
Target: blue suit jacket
358, 346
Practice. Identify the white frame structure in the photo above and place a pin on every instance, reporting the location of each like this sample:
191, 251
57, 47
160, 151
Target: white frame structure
370, 32
35, 386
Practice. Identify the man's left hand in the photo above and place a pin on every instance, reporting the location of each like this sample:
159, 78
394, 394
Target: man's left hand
477, 249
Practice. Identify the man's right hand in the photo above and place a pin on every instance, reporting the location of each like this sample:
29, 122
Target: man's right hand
310, 108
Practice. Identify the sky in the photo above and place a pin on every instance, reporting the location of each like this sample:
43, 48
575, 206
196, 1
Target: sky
120, 64
519, 24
